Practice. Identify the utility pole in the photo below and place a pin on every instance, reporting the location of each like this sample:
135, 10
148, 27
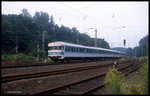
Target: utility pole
95, 43
124, 43
77, 38
16, 47
38, 45
43, 41
95, 38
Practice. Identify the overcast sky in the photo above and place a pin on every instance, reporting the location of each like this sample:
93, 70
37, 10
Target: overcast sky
114, 21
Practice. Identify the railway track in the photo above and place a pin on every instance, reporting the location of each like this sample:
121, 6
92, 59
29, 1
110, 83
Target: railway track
80, 87
7, 78
83, 87
54, 90
5, 66
12, 77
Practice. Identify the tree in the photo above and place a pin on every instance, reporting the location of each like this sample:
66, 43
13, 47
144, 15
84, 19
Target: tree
130, 52
25, 28
25, 12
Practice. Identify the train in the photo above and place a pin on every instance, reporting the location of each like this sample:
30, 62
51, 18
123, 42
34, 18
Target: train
64, 51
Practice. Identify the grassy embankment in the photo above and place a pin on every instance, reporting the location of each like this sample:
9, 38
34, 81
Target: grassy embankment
136, 83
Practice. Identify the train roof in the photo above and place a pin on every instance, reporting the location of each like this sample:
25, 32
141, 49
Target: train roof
59, 43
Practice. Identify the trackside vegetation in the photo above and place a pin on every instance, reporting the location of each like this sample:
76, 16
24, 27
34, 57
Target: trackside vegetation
136, 84
122, 59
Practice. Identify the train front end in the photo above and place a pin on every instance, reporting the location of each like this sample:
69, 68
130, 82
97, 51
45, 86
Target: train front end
56, 51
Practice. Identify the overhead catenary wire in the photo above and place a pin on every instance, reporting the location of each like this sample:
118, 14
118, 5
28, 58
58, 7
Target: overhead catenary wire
81, 13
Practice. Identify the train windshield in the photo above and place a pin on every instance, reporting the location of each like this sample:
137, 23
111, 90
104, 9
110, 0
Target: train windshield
56, 48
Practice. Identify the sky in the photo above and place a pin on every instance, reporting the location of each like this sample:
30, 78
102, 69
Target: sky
114, 21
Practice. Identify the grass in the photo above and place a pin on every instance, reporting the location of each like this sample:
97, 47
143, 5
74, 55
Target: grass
23, 57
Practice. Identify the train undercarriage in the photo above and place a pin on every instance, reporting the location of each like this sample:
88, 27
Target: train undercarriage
57, 58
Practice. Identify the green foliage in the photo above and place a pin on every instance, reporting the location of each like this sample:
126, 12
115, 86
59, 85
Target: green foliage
43, 54
143, 59
26, 27
130, 52
6, 57
113, 80
137, 84
133, 85
122, 59
21, 56
138, 51
142, 49
145, 76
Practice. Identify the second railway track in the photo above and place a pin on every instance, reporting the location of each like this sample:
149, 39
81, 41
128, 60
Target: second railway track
7, 78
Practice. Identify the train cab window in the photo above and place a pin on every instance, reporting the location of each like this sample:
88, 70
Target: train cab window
61, 47
57, 48
50, 48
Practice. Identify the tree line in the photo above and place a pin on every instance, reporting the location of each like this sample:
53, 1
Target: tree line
138, 51
23, 29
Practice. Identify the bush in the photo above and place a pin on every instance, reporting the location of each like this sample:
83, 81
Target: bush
31, 58
122, 59
113, 80
134, 84
143, 59
22, 56
6, 57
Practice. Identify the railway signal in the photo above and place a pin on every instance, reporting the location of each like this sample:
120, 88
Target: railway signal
124, 42
95, 37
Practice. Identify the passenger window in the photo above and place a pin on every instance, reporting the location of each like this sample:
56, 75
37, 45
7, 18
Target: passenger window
71, 49
68, 49
74, 49
77, 49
